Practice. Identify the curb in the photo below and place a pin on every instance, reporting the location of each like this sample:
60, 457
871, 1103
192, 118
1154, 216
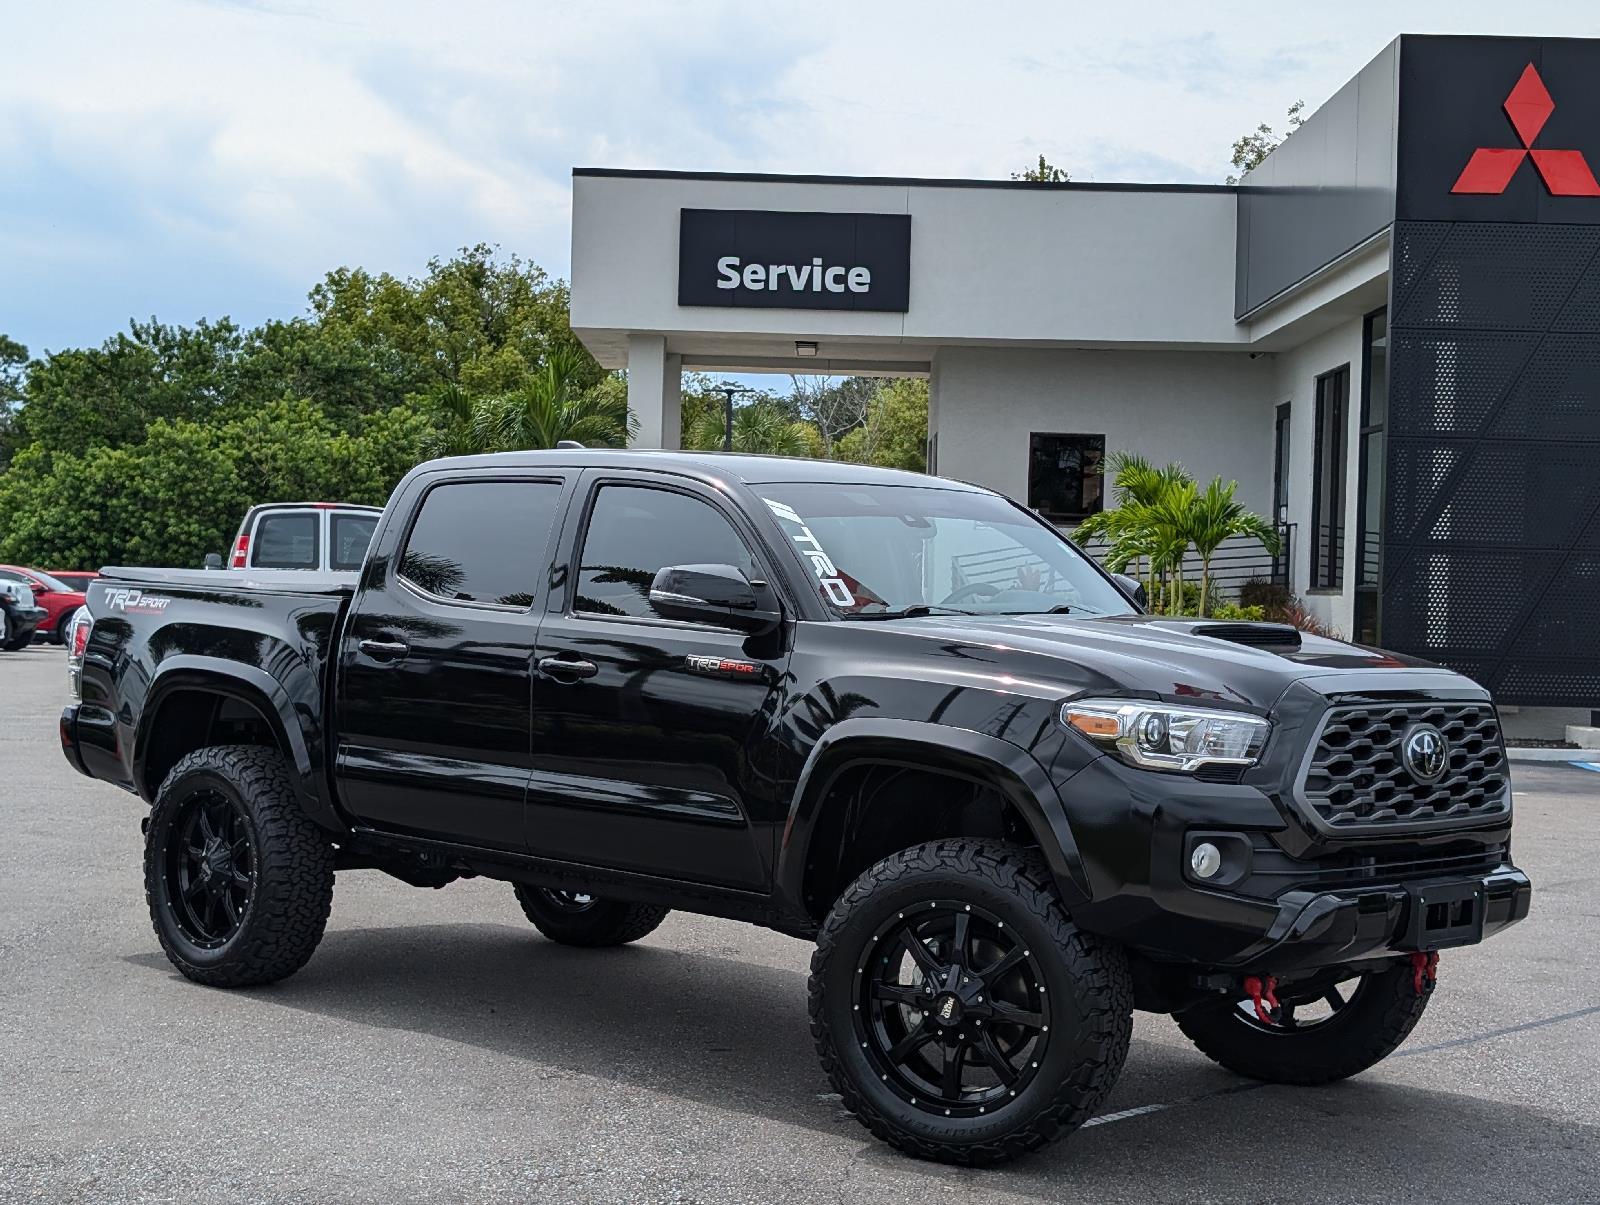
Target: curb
1516, 753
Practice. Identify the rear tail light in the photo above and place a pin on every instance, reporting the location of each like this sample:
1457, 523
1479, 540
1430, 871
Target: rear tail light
77, 645
241, 549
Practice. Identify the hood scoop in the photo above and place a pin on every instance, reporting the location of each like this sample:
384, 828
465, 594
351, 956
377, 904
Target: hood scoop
1272, 637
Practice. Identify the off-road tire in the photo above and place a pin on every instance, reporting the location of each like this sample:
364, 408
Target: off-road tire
1377, 1018
601, 923
292, 885
1082, 1059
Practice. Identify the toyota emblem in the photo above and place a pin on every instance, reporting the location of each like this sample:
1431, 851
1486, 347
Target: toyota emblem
1424, 752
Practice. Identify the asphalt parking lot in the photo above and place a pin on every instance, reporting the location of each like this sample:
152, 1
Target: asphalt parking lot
437, 1049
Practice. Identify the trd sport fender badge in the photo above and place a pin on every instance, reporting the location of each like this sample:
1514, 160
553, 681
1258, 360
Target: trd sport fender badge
722, 665
136, 602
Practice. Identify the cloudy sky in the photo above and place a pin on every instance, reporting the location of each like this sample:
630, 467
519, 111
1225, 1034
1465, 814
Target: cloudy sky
190, 158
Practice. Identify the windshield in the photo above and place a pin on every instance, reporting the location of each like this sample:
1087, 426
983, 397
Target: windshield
882, 550
52, 583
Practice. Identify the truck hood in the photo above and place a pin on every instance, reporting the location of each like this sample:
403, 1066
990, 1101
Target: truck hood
1241, 663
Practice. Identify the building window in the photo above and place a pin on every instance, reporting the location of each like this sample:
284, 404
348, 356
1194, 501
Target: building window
1369, 488
1327, 496
1066, 475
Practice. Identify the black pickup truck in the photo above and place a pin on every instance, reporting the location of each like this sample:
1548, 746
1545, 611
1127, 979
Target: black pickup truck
896, 714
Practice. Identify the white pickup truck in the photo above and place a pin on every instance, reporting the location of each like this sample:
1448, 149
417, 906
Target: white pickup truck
329, 537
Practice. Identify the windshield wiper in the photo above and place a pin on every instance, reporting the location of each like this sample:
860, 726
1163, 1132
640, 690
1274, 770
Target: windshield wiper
911, 612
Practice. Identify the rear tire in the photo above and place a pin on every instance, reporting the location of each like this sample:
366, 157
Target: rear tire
576, 918
1379, 1013
957, 1009
238, 880
63, 625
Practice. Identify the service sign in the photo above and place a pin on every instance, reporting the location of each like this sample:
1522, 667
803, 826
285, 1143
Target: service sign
798, 261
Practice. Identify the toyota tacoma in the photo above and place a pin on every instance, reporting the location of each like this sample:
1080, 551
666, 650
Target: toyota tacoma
900, 716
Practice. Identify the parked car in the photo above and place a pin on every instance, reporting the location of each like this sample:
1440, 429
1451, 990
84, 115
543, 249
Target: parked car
59, 600
78, 579
899, 715
324, 536
20, 617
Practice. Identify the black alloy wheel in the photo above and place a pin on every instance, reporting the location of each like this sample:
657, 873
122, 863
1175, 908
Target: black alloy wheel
952, 1009
1325, 1029
568, 901
1302, 1010
237, 877
958, 1011
210, 868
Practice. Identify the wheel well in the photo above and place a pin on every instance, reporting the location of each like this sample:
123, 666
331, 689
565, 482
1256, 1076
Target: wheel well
871, 810
195, 718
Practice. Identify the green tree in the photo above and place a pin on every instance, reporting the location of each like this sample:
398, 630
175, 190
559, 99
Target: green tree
13, 366
1043, 172
765, 427
1250, 149
553, 404
894, 434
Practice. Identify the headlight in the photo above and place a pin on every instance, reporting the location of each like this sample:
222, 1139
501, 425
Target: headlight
1158, 736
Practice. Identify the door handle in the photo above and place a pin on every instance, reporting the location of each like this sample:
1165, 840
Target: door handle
384, 650
564, 670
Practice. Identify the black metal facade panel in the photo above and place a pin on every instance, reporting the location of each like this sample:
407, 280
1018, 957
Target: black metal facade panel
1491, 540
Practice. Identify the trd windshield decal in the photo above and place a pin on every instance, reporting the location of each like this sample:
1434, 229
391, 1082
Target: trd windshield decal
833, 586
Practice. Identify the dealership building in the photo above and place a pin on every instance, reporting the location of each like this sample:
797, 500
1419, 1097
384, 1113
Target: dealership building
1388, 334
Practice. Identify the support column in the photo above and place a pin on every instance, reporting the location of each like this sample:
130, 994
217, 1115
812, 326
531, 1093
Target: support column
655, 398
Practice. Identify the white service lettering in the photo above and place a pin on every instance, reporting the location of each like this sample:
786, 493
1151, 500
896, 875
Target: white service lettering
732, 273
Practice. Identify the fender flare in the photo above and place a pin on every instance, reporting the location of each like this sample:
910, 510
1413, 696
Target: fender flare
922, 745
256, 688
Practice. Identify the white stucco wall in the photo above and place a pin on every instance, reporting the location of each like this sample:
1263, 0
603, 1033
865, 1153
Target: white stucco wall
1294, 381
1210, 410
1006, 264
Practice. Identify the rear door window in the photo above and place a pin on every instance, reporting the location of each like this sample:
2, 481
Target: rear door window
286, 540
482, 542
348, 538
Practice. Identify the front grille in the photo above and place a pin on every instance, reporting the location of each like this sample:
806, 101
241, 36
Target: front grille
1355, 778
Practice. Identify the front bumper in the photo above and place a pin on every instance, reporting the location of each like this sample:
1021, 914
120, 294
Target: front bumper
1316, 929
1307, 902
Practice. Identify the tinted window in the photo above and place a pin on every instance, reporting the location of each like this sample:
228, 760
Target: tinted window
286, 540
349, 539
634, 531
1065, 477
482, 541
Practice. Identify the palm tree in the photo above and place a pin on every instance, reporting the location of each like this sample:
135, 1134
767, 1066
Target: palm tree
551, 406
454, 409
760, 427
1145, 524
1215, 516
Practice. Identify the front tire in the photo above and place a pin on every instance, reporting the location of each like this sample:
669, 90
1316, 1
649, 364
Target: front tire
576, 918
1318, 1037
238, 880
957, 1009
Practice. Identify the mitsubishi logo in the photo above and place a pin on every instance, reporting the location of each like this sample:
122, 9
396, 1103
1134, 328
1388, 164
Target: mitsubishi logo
1565, 173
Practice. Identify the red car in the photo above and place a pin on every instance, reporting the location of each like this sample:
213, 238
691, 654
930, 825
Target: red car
76, 579
58, 599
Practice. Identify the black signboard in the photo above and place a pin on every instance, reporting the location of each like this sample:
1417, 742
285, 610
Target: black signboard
798, 261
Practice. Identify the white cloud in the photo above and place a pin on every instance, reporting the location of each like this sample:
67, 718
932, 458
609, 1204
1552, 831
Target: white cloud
193, 158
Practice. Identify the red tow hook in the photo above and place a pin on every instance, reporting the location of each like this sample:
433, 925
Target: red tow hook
1424, 970
1263, 993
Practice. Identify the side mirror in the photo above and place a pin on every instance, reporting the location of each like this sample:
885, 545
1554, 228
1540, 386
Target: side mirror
718, 594
213, 560
1132, 587
40, 590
